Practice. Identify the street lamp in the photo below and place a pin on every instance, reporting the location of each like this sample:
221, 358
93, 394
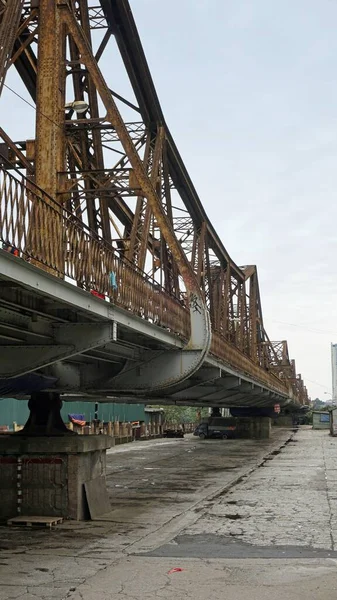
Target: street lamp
78, 106
333, 400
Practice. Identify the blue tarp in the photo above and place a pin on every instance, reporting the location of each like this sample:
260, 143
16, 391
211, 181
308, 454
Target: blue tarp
26, 384
76, 417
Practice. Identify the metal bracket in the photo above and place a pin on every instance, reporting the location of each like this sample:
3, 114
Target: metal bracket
77, 378
69, 339
171, 367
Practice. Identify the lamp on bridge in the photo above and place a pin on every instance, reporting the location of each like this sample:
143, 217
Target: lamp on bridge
333, 400
79, 106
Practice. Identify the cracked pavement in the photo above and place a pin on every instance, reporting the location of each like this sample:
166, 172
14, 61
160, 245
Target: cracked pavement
243, 519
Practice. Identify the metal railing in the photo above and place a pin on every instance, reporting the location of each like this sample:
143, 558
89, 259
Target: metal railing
49, 236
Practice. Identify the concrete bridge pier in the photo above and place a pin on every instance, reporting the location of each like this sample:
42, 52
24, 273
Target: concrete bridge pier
286, 420
48, 470
257, 428
251, 427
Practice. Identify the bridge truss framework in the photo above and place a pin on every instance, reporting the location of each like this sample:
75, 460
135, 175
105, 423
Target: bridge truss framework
101, 197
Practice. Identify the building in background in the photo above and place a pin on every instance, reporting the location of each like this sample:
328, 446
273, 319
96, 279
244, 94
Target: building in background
17, 411
320, 419
334, 372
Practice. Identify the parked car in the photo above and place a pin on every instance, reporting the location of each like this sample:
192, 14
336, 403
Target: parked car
216, 427
173, 433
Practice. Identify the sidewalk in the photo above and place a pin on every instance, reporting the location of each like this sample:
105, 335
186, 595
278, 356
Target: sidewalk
291, 502
270, 535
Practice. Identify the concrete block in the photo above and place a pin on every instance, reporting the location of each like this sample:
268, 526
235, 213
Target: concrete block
53, 472
254, 428
97, 497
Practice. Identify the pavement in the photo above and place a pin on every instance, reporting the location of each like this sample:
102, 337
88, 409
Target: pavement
238, 519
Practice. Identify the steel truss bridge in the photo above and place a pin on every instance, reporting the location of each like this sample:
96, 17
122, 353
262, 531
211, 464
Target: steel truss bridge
113, 281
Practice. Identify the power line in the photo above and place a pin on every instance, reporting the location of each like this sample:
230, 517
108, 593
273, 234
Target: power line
306, 328
18, 95
31, 105
316, 383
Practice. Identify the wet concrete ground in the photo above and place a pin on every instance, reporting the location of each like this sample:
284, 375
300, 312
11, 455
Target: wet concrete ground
243, 519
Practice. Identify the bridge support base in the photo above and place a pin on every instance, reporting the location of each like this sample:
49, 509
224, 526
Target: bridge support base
257, 428
284, 421
45, 416
49, 476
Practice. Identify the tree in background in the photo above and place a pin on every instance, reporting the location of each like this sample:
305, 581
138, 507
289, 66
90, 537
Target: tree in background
316, 404
183, 414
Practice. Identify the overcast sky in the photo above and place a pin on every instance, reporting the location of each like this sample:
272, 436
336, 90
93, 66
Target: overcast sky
249, 91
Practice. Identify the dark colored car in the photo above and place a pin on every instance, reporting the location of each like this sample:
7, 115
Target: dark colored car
173, 433
216, 428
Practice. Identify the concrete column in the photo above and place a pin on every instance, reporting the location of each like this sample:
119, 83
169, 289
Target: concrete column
54, 470
254, 428
284, 421
260, 428
116, 429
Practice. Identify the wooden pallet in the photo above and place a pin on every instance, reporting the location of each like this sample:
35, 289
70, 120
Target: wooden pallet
25, 521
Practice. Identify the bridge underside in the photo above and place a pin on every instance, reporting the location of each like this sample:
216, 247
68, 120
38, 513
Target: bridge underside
56, 337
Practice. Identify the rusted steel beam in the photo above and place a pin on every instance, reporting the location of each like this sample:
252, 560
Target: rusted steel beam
170, 268
253, 314
141, 224
50, 130
19, 155
233, 357
155, 178
135, 233
208, 284
9, 24
97, 156
23, 46
50, 107
114, 117
201, 256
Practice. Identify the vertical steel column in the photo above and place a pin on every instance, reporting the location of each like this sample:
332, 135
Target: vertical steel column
253, 316
97, 157
50, 128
